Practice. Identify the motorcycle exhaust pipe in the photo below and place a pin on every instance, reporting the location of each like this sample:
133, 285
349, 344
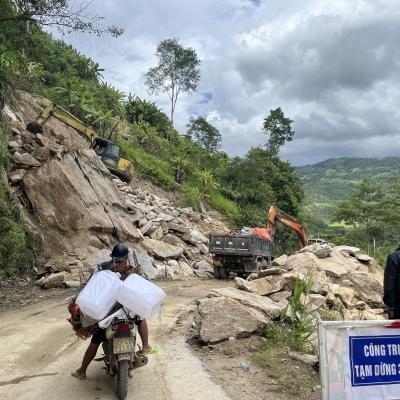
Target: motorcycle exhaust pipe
140, 361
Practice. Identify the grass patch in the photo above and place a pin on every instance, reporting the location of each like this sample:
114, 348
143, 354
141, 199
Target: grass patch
290, 376
190, 196
225, 206
152, 167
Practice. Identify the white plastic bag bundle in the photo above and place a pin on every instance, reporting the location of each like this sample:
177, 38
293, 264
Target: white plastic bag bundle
99, 295
140, 295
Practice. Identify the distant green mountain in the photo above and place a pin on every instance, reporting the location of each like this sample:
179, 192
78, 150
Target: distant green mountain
328, 182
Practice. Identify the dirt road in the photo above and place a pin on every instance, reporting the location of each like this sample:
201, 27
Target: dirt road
39, 349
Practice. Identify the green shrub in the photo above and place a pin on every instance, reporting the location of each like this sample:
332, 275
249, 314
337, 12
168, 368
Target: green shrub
303, 317
291, 376
156, 169
190, 196
19, 246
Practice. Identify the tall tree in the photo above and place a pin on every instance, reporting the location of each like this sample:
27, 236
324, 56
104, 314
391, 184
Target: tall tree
365, 207
278, 129
177, 72
204, 134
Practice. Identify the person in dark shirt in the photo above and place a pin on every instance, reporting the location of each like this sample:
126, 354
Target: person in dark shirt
119, 263
391, 284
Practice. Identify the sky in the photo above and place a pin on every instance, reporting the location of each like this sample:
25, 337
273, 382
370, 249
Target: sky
331, 65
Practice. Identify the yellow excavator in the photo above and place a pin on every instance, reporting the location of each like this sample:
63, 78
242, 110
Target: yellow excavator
109, 152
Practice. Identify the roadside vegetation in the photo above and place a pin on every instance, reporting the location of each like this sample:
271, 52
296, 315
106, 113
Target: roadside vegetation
295, 331
19, 245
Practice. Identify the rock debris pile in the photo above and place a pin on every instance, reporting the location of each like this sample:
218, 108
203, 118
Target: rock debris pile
81, 210
343, 280
173, 243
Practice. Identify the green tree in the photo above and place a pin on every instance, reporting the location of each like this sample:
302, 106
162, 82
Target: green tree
365, 207
257, 181
64, 15
177, 72
278, 129
204, 134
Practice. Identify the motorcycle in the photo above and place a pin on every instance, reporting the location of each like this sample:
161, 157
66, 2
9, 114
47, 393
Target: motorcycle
120, 356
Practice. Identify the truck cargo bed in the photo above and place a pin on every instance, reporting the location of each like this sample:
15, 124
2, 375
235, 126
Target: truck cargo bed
246, 245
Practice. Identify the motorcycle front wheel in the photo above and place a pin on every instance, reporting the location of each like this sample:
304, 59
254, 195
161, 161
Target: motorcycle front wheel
122, 377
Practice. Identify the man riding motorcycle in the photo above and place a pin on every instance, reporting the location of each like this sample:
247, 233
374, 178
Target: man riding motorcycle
119, 263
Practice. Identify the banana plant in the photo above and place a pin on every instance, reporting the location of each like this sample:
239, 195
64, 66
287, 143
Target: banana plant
180, 165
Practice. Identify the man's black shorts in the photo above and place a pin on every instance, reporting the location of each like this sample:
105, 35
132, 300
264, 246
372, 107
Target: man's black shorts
100, 335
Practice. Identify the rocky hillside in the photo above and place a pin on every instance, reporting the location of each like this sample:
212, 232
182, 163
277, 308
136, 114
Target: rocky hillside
81, 210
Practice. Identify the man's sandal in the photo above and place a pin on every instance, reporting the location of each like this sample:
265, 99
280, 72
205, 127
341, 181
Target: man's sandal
152, 351
75, 374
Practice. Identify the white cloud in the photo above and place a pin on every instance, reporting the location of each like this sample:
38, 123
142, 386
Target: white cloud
332, 66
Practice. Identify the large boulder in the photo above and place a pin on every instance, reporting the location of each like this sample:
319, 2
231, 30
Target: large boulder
145, 262
280, 261
50, 144
259, 303
269, 284
76, 198
347, 249
53, 280
26, 159
219, 318
17, 175
321, 251
161, 250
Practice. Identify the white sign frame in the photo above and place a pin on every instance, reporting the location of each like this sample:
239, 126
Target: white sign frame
330, 350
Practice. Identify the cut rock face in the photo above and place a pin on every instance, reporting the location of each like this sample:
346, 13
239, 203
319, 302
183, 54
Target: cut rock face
69, 199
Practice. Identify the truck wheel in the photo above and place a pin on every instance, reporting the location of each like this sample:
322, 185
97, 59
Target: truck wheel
216, 272
223, 273
259, 266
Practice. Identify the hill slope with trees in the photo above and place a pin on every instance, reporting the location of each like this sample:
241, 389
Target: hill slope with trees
331, 181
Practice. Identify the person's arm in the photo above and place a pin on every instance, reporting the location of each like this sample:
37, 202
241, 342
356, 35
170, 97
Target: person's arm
389, 282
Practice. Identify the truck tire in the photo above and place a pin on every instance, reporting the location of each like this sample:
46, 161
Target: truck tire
122, 380
216, 272
223, 273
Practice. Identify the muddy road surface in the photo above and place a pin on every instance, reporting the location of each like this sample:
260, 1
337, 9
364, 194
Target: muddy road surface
39, 350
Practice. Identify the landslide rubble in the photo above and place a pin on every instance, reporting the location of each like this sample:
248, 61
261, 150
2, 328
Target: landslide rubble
80, 210
345, 284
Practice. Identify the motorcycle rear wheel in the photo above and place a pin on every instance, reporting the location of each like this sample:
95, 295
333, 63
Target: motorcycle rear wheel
122, 378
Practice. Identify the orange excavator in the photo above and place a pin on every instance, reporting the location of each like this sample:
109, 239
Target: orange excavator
276, 215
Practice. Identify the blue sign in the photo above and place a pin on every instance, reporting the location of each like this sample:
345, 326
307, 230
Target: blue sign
374, 360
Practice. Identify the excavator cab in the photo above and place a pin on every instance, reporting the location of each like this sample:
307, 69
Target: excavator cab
109, 153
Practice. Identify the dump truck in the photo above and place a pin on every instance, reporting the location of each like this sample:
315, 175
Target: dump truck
242, 252
109, 152
251, 249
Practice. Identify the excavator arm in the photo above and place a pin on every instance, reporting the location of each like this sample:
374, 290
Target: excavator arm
108, 151
287, 220
69, 119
